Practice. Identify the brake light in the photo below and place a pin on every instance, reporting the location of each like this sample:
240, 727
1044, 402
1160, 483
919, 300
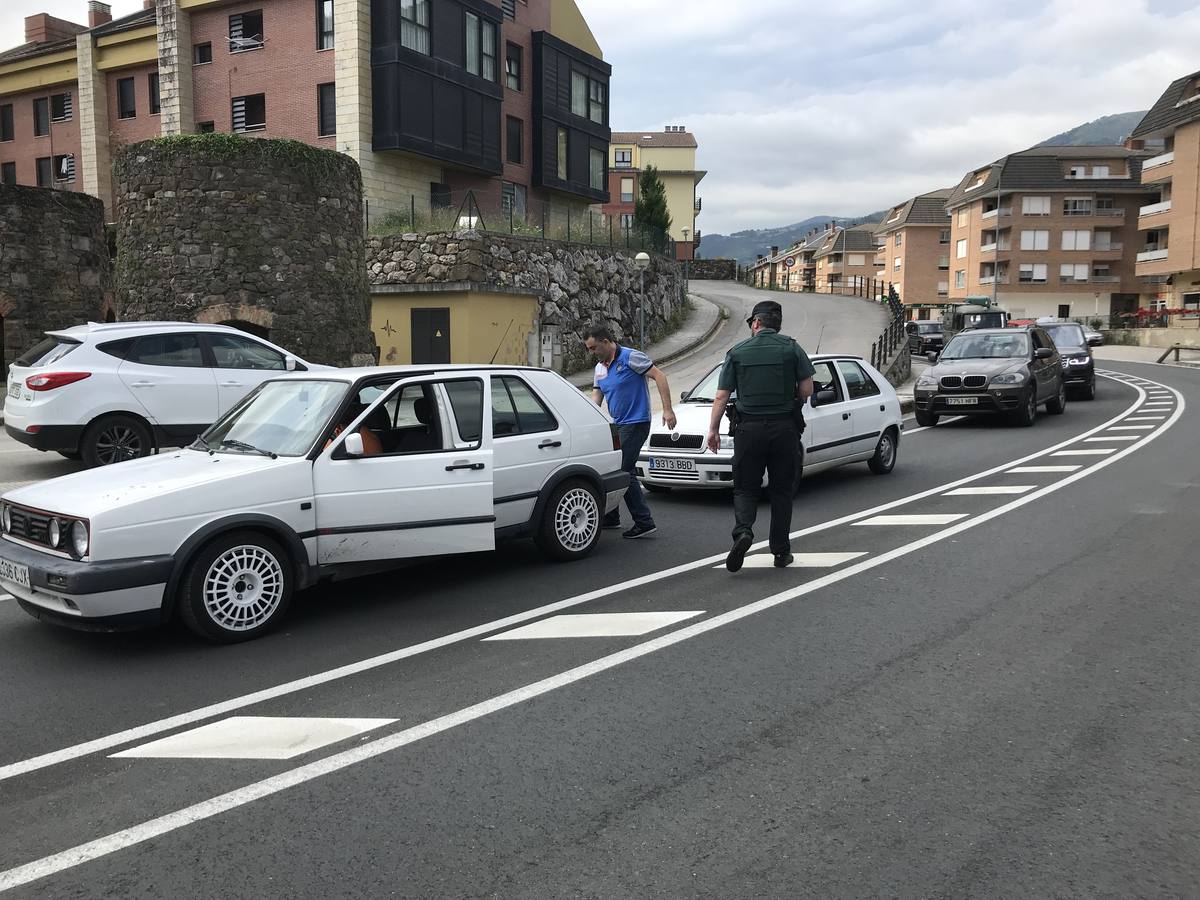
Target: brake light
616, 436
51, 380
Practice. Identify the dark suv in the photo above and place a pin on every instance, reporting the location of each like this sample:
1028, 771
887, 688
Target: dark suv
987, 371
924, 336
1079, 367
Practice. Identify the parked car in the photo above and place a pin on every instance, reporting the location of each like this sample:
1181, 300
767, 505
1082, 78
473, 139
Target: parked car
310, 476
924, 336
1010, 371
114, 392
1079, 368
1094, 338
853, 416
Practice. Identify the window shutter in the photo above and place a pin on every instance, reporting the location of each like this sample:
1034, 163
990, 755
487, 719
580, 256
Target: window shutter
239, 113
509, 8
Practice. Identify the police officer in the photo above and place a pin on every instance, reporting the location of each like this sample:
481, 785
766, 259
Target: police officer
772, 376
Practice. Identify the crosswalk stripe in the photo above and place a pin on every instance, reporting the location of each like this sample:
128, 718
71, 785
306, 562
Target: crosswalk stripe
1029, 470
801, 561
944, 519
1095, 452
990, 489
253, 737
628, 624
1113, 437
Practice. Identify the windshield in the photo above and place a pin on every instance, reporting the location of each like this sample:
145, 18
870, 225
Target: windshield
1067, 336
45, 352
282, 417
929, 329
706, 390
988, 346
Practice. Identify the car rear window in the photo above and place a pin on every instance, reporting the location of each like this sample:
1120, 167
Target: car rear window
119, 349
45, 352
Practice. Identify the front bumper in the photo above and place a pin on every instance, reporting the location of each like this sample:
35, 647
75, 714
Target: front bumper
1076, 376
706, 470
986, 402
90, 595
48, 437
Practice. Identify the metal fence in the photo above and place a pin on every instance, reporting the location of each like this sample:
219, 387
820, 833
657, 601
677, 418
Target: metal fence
510, 212
884, 347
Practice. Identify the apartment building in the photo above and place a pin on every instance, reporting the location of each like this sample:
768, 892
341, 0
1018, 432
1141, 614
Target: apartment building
1168, 258
845, 258
1050, 231
914, 253
672, 152
431, 97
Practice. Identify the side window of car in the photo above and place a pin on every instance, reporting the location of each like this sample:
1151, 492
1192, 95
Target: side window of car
825, 379
120, 349
233, 352
409, 420
504, 414
466, 402
178, 350
516, 409
858, 383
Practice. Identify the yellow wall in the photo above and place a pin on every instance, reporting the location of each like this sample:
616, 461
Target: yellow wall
481, 325
40, 71
670, 159
681, 191
568, 24
127, 48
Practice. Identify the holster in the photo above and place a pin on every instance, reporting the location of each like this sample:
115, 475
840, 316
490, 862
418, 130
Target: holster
734, 415
798, 415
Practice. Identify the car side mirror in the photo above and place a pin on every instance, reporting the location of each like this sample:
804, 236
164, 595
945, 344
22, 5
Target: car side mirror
1043, 353
683, 396
289, 363
821, 398
932, 356
354, 444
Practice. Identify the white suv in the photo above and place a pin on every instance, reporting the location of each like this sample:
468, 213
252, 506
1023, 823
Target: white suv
308, 476
108, 393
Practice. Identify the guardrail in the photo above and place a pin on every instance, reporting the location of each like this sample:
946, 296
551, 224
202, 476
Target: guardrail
1175, 349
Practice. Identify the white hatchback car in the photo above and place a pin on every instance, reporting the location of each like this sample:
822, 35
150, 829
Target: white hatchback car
112, 392
853, 416
308, 477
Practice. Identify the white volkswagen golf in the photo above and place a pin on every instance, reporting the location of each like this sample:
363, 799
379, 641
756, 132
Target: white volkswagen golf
853, 416
311, 475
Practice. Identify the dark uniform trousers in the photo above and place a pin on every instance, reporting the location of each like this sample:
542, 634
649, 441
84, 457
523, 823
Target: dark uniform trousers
768, 444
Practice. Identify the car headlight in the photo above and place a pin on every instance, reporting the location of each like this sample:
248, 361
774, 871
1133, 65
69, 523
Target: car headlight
1009, 378
79, 539
926, 381
726, 442
1078, 360
55, 533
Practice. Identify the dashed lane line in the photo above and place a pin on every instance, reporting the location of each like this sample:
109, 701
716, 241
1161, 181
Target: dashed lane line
996, 489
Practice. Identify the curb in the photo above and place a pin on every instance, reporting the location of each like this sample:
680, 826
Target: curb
700, 341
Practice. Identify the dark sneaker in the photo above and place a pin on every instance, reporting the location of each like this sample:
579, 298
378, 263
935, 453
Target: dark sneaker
737, 553
612, 523
783, 560
639, 531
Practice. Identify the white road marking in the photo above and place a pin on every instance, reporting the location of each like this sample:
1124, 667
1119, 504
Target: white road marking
137, 834
1129, 428
1113, 437
1145, 418
4, 597
231, 704
596, 625
991, 489
1096, 452
1156, 407
1030, 470
253, 737
942, 519
801, 561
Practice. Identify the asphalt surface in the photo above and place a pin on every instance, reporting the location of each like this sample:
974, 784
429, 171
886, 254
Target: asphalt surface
1001, 705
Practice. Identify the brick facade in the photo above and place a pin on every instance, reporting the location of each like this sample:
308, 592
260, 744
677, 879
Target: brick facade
27, 148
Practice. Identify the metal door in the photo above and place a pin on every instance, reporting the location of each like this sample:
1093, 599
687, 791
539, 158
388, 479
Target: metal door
430, 336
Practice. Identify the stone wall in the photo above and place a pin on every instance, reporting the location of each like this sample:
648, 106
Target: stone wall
578, 284
215, 228
54, 265
713, 269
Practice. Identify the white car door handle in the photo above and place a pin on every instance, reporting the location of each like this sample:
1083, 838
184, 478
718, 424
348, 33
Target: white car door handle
231, 384
142, 384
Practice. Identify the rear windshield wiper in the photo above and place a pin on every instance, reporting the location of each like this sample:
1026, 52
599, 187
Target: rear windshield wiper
249, 448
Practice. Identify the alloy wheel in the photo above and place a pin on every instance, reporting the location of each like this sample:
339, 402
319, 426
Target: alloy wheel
118, 443
243, 587
577, 519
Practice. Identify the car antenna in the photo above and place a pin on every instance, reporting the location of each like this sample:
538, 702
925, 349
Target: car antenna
819, 336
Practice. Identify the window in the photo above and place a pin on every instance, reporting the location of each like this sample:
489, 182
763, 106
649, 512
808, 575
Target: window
205, 127
327, 109
1077, 240
466, 402
64, 168
1035, 240
626, 190
1073, 272
824, 380
1077, 206
944, 263
233, 352
324, 24
858, 383
562, 154
516, 146
512, 199
45, 171
960, 249
1099, 171
1032, 273
489, 50
896, 263
899, 238
1102, 270
943, 288
1035, 206
1077, 172
41, 117
509, 9
512, 67
596, 96
440, 196
178, 350
8, 173
623, 159
480, 46
579, 94
201, 54
962, 217
60, 107
960, 279
944, 236
856, 259
126, 100
626, 221
152, 90
249, 113
517, 410
596, 170
246, 31
6, 122
414, 25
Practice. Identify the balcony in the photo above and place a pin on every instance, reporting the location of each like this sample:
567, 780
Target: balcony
1113, 250
992, 279
1152, 253
699, 204
1157, 162
999, 211
1107, 211
1106, 279
1155, 209
993, 247
1071, 279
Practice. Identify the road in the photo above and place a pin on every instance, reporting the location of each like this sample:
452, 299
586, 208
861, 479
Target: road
993, 698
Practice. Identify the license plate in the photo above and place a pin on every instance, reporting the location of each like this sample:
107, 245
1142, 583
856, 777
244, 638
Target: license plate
15, 572
962, 401
665, 464
14, 389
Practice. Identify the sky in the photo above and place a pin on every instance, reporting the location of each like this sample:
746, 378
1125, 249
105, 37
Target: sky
846, 108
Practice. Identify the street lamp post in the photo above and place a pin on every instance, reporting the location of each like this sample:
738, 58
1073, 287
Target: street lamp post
642, 260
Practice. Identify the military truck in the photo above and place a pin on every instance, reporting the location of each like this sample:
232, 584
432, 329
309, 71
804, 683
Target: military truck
976, 312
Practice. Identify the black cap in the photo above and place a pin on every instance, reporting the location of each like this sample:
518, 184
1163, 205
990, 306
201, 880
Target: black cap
768, 308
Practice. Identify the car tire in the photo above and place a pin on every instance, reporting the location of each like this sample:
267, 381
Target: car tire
114, 439
926, 419
69, 454
884, 459
1088, 391
1026, 414
236, 588
1058, 404
571, 521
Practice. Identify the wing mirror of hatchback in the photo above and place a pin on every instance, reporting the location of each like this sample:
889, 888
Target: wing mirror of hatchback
821, 398
683, 396
1043, 353
354, 444
932, 356
289, 363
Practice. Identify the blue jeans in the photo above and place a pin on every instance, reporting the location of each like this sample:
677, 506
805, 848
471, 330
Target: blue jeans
633, 437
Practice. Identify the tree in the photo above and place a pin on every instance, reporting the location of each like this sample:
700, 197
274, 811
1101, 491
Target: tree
650, 211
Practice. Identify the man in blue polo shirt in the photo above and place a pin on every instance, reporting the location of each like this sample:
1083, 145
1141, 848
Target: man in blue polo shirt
620, 378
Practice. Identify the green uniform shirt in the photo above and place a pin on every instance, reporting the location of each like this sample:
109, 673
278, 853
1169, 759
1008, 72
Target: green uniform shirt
764, 371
